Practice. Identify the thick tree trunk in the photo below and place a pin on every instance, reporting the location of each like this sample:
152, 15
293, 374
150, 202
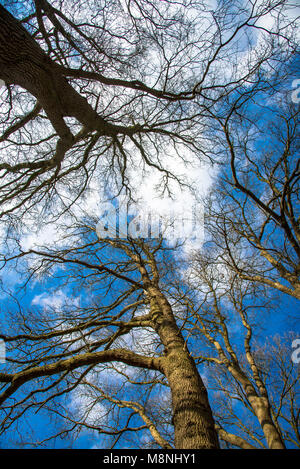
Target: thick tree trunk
24, 63
192, 417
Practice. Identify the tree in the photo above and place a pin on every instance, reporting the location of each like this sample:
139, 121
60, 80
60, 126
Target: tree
253, 215
280, 376
95, 98
140, 309
225, 310
88, 336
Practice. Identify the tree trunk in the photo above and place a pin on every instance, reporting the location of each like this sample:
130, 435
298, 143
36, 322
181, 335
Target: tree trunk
23, 62
262, 411
261, 407
192, 417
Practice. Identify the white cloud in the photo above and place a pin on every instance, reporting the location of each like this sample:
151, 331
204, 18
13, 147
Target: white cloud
55, 300
45, 236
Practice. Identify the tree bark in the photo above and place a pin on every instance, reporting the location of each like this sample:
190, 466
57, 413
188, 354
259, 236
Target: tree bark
234, 439
262, 410
194, 425
23, 62
192, 416
261, 407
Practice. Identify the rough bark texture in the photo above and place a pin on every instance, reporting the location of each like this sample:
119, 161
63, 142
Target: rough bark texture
24, 63
192, 417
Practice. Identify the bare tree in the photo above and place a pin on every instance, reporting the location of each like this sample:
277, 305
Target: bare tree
253, 216
141, 311
249, 380
47, 346
94, 94
280, 376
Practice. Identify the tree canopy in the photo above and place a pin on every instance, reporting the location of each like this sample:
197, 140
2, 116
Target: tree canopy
139, 339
